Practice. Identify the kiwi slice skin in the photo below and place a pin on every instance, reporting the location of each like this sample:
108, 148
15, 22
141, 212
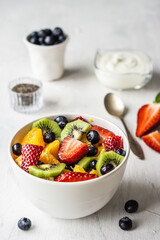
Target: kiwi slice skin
47, 170
84, 162
75, 129
108, 157
46, 124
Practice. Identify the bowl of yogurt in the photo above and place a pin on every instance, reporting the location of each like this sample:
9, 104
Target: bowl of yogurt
123, 69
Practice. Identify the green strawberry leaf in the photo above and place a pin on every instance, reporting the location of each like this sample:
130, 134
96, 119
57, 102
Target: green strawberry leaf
157, 99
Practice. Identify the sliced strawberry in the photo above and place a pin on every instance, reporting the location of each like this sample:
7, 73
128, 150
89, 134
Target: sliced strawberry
72, 150
30, 155
148, 116
104, 133
113, 143
153, 140
75, 177
81, 118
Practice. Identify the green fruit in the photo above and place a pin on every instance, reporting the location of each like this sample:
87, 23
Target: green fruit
46, 124
75, 129
84, 162
47, 170
108, 157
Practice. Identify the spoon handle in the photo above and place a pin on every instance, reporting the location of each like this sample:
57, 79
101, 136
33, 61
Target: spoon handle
135, 146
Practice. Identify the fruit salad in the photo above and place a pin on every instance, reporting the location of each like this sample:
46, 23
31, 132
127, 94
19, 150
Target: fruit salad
68, 151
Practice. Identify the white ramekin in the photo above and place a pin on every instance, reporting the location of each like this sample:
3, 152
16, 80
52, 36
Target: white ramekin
75, 199
47, 61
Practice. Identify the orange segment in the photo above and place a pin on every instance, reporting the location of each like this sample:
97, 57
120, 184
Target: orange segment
48, 158
35, 137
77, 168
18, 160
50, 154
53, 148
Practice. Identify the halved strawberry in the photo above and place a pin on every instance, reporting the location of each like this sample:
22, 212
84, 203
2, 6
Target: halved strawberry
153, 140
30, 155
113, 143
103, 132
148, 116
75, 177
72, 150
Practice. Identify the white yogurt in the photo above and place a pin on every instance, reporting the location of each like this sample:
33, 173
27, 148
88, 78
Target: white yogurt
123, 69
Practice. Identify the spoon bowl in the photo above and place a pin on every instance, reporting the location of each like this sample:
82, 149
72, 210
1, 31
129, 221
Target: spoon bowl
114, 105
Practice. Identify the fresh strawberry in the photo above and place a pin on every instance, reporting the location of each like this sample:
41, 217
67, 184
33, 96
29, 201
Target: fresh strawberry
75, 177
72, 150
30, 155
153, 140
148, 116
104, 133
113, 143
80, 117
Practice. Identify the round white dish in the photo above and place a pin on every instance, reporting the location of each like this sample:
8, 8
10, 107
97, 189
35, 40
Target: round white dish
75, 199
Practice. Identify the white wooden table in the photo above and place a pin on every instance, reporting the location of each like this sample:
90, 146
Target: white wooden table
90, 25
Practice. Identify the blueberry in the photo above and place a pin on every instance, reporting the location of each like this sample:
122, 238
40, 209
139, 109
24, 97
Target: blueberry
49, 40
40, 163
48, 137
68, 167
93, 164
92, 151
125, 223
41, 40
33, 34
24, 224
61, 38
48, 32
107, 167
62, 121
42, 33
131, 206
57, 32
93, 136
17, 148
34, 40
121, 151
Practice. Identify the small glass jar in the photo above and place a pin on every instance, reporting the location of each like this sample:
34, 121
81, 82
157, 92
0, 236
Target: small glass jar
25, 95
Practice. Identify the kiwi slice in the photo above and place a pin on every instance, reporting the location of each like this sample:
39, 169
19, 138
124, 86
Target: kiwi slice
84, 162
75, 129
47, 170
108, 157
46, 124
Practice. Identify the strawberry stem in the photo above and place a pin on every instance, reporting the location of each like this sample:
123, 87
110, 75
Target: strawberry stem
157, 99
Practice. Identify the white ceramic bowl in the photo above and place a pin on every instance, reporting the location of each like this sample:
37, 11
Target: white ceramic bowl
75, 199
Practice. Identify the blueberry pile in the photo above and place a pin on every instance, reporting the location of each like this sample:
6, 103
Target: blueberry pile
47, 37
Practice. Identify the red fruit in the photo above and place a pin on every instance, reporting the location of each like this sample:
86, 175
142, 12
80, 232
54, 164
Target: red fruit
104, 133
72, 150
113, 143
80, 117
148, 116
75, 177
153, 140
30, 155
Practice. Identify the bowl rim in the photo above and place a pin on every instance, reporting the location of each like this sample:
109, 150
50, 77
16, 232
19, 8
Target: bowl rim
123, 50
88, 116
